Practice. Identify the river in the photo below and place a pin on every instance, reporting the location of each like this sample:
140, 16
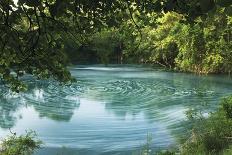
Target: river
110, 110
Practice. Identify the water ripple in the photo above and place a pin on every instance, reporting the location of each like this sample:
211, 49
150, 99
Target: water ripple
110, 108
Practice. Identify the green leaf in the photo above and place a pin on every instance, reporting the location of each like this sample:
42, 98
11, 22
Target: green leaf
32, 3
228, 10
21, 2
52, 10
224, 3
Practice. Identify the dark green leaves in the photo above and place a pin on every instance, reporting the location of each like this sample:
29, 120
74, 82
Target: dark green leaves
228, 10
227, 106
224, 3
207, 5
31, 3
53, 10
59, 8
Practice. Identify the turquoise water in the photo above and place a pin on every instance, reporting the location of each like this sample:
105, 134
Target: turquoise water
110, 110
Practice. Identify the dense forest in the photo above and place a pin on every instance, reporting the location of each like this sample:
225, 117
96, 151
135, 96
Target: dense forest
43, 37
167, 39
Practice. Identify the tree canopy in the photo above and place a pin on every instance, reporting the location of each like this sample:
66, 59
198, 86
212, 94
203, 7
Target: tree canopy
33, 31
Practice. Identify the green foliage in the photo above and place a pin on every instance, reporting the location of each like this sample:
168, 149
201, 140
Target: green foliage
20, 145
202, 46
162, 46
33, 33
211, 135
224, 3
227, 107
104, 43
205, 47
191, 47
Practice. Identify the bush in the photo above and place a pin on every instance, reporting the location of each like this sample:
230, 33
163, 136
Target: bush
212, 135
20, 145
227, 107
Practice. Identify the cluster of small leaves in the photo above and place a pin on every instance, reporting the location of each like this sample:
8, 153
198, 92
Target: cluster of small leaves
20, 145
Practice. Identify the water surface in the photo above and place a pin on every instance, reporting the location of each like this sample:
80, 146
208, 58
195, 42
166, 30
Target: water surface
110, 109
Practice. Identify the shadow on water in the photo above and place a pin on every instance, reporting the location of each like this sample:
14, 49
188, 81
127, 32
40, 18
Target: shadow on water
110, 109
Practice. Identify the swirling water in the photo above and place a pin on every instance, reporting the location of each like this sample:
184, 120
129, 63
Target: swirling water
110, 109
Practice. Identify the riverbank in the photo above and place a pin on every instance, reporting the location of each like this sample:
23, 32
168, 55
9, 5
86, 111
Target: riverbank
210, 135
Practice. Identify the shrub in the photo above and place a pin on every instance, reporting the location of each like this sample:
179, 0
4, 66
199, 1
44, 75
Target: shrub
227, 107
212, 135
20, 145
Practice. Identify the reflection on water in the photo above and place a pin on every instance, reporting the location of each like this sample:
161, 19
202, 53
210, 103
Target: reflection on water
110, 108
